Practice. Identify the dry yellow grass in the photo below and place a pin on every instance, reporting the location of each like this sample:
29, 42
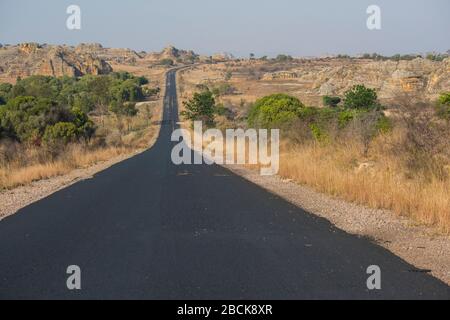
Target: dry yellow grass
15, 175
336, 171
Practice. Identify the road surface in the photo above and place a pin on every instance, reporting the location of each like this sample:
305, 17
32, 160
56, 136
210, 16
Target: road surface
147, 229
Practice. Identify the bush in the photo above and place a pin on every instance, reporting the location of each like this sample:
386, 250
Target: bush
26, 119
345, 116
166, 62
360, 97
223, 89
63, 132
283, 58
443, 106
331, 101
274, 110
5, 90
318, 133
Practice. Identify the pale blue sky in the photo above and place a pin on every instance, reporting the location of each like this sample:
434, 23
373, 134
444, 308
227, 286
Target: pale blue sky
265, 27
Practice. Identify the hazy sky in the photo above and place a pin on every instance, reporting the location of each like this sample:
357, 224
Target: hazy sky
265, 27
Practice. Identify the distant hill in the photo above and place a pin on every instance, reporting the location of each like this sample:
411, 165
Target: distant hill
28, 59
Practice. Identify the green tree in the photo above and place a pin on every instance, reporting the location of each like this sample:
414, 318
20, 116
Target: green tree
200, 108
360, 97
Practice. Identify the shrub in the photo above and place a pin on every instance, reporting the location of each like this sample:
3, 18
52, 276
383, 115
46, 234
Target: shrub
331, 101
274, 110
5, 90
64, 132
318, 133
345, 116
166, 62
443, 106
283, 58
223, 89
26, 119
124, 109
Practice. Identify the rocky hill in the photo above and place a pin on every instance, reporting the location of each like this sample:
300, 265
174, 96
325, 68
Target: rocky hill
31, 59
28, 59
111, 55
174, 54
319, 77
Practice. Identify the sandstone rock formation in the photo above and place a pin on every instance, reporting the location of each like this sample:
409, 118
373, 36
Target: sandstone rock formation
117, 55
318, 77
174, 54
31, 59
222, 57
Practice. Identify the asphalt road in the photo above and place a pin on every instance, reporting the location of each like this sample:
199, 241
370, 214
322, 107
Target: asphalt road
147, 229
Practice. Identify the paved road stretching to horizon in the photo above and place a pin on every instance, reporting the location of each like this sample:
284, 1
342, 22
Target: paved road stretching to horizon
147, 229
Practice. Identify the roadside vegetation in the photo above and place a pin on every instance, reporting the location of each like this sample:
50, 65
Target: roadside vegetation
393, 157
49, 125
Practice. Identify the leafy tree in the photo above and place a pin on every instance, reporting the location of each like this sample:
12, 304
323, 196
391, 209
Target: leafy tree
274, 110
200, 108
360, 97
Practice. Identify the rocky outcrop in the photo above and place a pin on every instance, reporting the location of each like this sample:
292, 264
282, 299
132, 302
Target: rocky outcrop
28, 59
280, 75
29, 48
321, 77
222, 57
111, 55
174, 54
33, 59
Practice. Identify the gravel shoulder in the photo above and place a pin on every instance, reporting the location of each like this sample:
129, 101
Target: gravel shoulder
420, 246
